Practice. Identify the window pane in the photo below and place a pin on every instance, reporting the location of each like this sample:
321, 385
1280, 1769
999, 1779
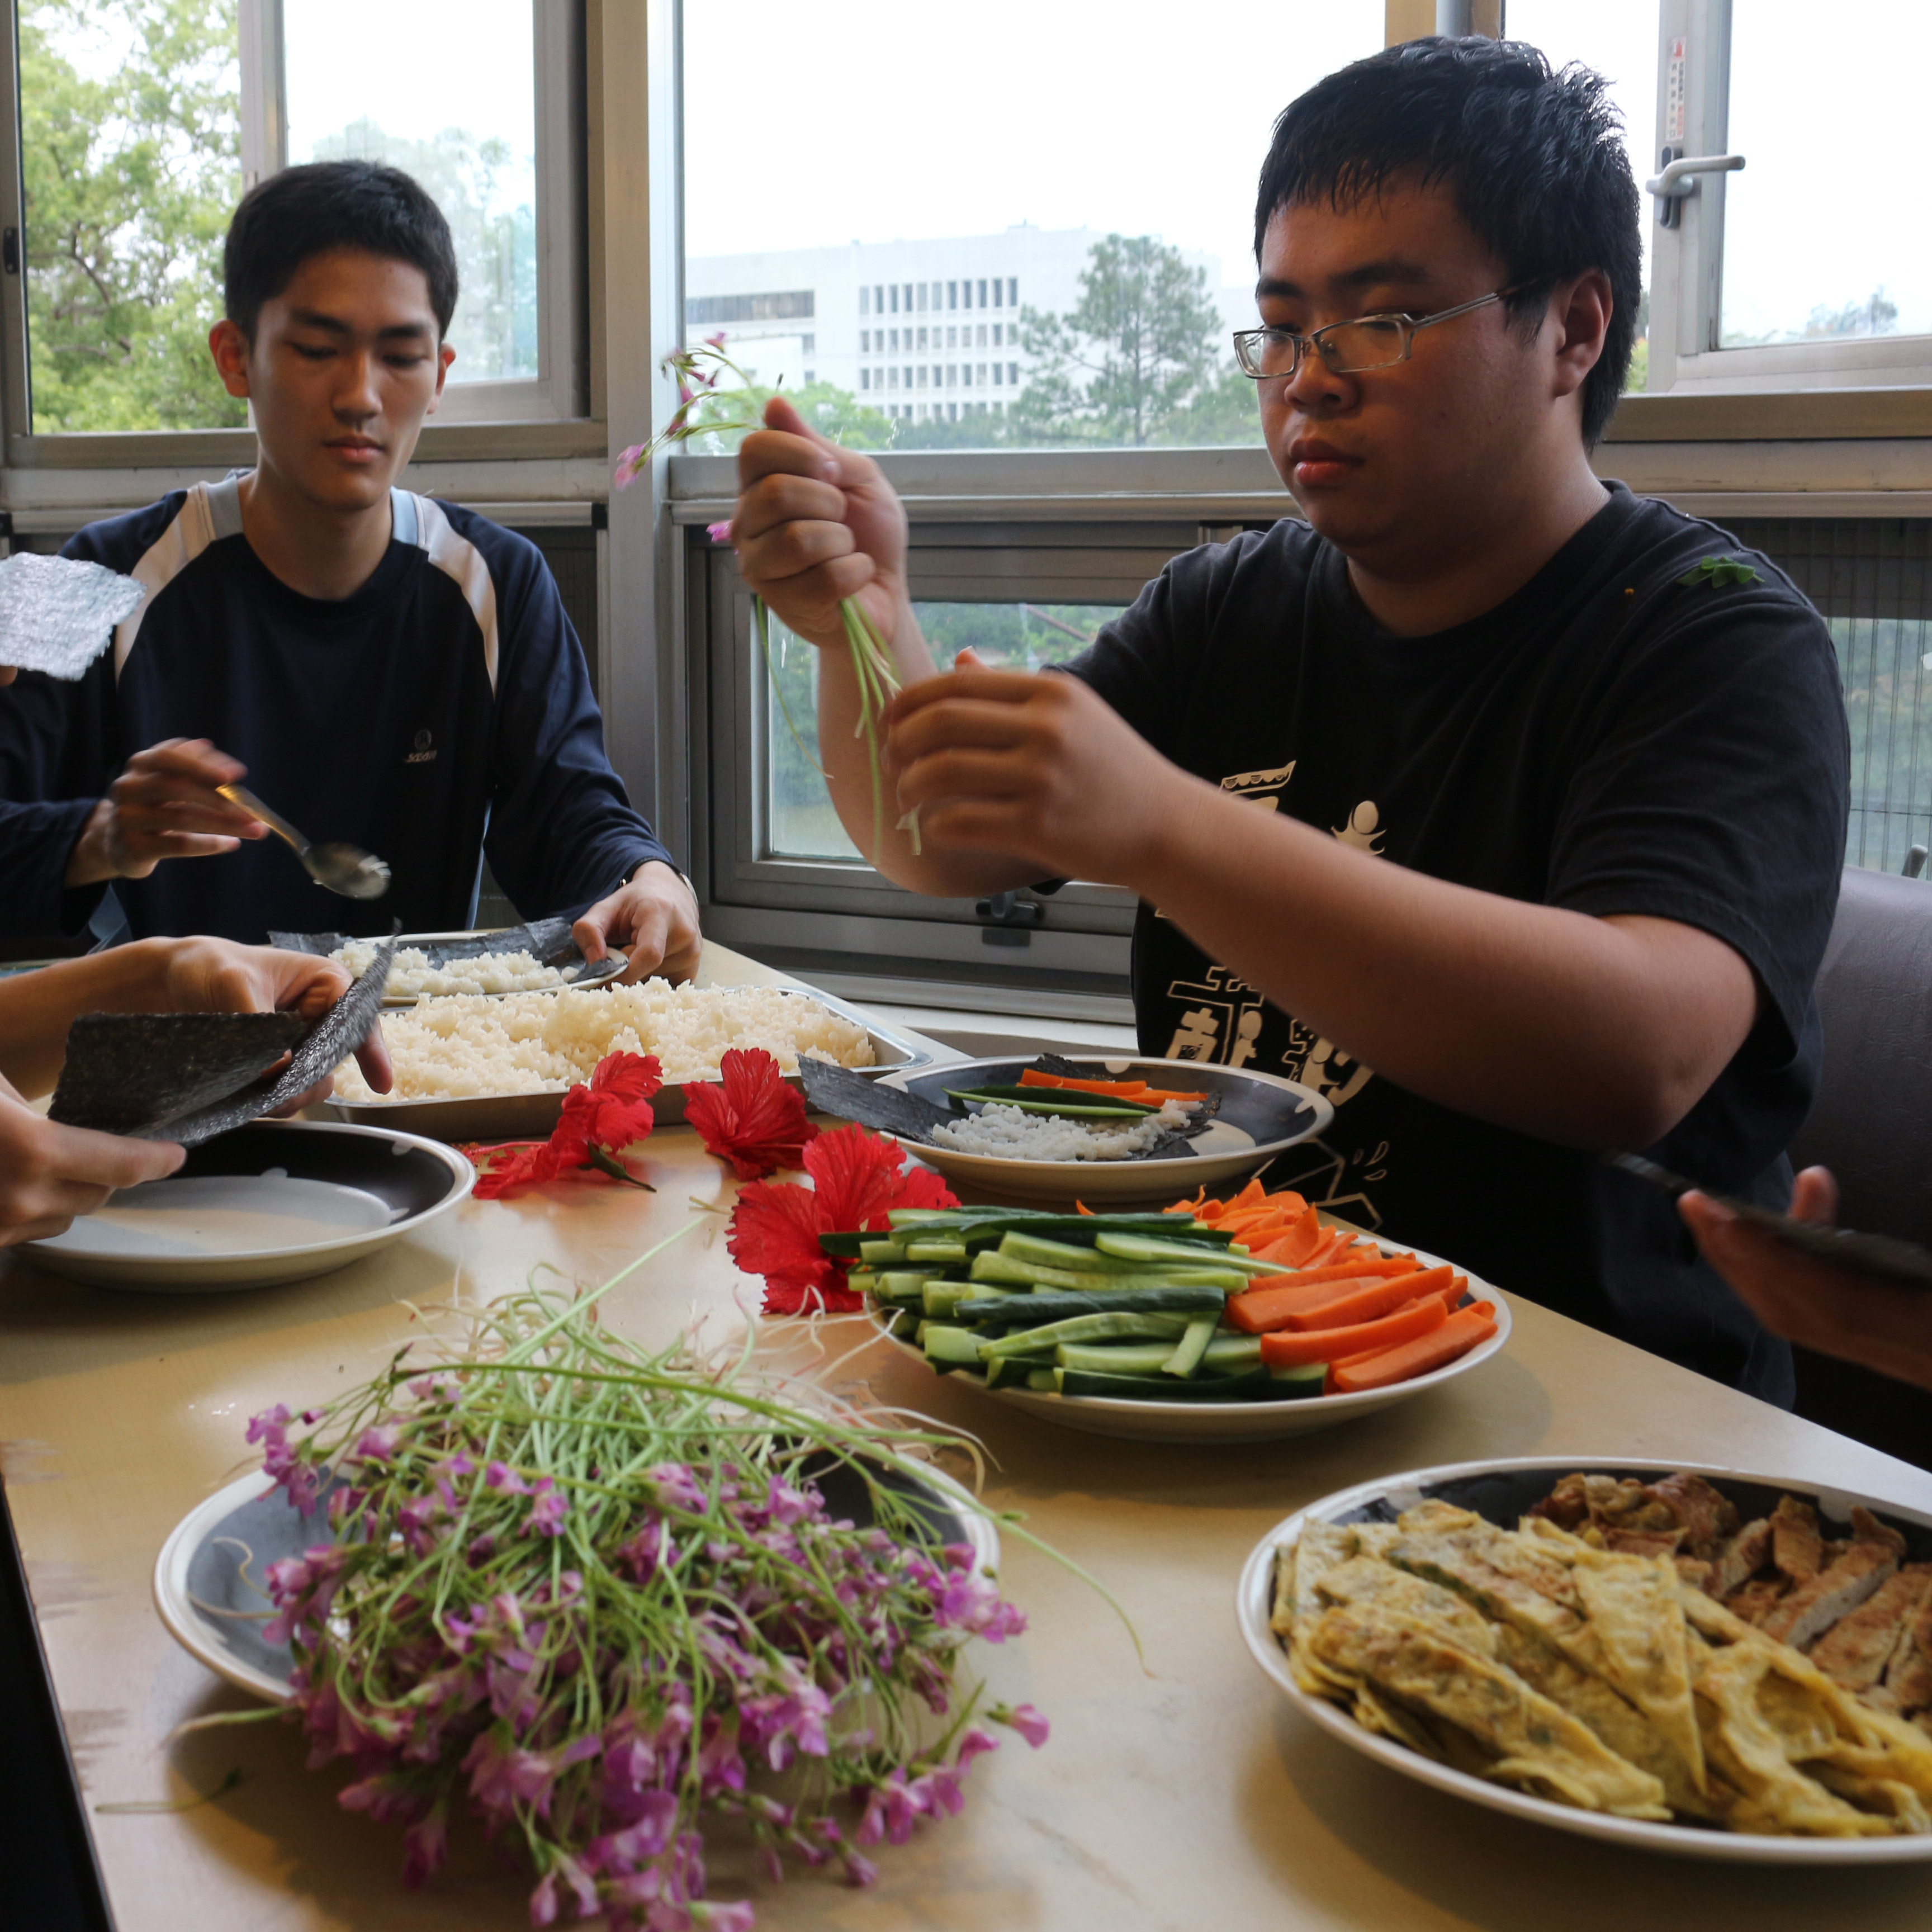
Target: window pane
454, 106
1087, 213
130, 148
1824, 231
1620, 42
799, 822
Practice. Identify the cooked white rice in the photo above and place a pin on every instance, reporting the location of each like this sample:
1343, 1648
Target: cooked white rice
412, 973
1011, 1133
540, 1042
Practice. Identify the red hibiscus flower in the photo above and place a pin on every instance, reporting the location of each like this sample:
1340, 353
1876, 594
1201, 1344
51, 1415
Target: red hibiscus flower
748, 1116
597, 1123
858, 1178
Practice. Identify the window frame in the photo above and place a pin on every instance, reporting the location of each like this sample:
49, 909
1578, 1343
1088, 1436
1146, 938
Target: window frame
547, 416
1686, 271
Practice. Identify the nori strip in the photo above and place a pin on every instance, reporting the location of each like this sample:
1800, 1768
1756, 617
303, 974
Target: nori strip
132, 1073
548, 941
838, 1090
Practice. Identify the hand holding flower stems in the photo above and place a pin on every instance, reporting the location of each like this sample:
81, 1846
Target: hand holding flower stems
708, 410
704, 409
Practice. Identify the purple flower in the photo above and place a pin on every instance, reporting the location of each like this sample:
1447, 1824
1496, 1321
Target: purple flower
425, 1848
648, 1837
549, 1509
719, 533
378, 1444
786, 1505
972, 1602
859, 1870
544, 1900
677, 1488
501, 1478
975, 1743
1024, 1719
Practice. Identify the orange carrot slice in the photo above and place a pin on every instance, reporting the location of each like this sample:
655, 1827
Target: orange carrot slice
1448, 1342
1286, 1349
1354, 1303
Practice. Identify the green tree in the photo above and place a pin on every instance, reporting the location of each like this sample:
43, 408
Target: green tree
131, 170
1139, 348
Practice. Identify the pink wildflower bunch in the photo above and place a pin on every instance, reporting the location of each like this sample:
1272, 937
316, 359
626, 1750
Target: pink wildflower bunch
603, 1598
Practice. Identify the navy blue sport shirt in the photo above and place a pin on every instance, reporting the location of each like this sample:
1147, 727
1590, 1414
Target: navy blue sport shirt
442, 712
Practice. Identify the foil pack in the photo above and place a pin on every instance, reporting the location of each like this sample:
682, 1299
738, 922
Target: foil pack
57, 614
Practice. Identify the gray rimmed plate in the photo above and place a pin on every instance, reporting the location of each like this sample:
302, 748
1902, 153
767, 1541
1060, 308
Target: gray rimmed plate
1261, 1115
1500, 1490
276, 1201
507, 1116
207, 1578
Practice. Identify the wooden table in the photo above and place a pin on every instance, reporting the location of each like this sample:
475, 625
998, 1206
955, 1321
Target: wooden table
1183, 1796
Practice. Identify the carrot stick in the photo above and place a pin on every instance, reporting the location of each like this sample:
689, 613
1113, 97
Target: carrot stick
1268, 1302
1125, 1089
1299, 1244
1448, 1342
1369, 1301
1283, 1348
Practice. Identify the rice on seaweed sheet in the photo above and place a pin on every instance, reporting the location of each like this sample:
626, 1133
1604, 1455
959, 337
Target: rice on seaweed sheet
1011, 1133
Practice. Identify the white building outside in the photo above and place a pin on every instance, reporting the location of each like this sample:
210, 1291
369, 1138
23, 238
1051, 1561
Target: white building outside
918, 330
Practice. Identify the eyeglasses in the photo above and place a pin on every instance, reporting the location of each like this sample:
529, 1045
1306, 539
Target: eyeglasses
1369, 342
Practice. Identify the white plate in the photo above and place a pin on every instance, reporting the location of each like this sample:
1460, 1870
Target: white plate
1261, 1115
1254, 1601
205, 1593
507, 1116
275, 1201
1234, 1421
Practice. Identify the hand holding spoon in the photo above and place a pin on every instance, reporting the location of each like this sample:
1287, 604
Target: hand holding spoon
346, 869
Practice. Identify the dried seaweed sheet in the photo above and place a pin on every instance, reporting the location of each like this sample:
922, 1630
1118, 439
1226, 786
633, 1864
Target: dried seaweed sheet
838, 1090
186, 1111
132, 1073
548, 941
58, 613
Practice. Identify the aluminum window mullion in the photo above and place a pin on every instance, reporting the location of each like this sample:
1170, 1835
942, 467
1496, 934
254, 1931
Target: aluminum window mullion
16, 395
264, 113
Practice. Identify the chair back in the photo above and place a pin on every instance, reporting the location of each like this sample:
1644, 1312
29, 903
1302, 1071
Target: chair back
1871, 1124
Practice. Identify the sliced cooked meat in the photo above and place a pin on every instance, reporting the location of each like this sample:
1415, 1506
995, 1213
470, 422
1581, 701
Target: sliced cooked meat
1909, 1675
1866, 1527
1819, 1601
1856, 1650
1708, 1517
1644, 1542
1566, 1505
1741, 1559
1796, 1547
1755, 1600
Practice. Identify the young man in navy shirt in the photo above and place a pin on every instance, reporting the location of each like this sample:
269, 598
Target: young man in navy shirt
393, 672
1484, 796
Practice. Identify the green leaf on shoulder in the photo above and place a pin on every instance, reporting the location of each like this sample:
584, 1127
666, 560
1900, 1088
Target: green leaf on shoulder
1718, 571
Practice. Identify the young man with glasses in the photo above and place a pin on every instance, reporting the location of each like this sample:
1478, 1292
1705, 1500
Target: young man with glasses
1502, 805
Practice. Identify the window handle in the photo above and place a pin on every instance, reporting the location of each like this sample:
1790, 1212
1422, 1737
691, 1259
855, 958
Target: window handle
1678, 180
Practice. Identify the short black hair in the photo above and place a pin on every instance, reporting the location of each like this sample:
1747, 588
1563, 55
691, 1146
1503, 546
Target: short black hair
294, 216
1535, 159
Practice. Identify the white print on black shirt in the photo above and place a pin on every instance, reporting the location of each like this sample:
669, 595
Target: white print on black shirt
1224, 1024
1264, 787
425, 753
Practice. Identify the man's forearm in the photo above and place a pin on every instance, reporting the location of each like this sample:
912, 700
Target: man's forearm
91, 862
1593, 1032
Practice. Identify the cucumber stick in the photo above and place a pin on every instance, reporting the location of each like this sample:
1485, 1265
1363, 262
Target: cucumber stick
1124, 1358
1193, 1346
949, 1347
881, 1251
1002, 1309
1152, 1248
1255, 1386
1121, 1328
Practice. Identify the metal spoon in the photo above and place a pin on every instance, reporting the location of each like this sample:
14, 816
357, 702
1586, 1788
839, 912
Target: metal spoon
346, 869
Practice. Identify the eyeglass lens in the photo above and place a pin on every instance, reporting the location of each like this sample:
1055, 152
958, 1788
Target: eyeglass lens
1344, 346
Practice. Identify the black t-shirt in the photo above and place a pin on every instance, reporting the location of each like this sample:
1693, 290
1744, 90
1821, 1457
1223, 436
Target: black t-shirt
1609, 739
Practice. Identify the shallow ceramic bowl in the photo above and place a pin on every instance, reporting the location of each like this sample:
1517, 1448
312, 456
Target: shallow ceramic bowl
1500, 1491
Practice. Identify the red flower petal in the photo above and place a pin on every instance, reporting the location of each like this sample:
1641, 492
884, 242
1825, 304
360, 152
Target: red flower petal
614, 1110
748, 1116
527, 1164
774, 1232
775, 1226
859, 1179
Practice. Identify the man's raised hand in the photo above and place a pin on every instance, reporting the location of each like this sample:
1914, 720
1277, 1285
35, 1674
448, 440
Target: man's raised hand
815, 524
